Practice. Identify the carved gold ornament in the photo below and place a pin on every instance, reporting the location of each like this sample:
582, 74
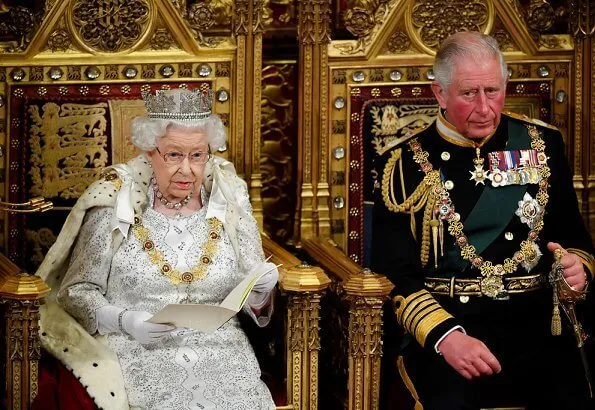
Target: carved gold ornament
398, 42
359, 21
110, 26
540, 15
431, 21
19, 23
200, 16
59, 40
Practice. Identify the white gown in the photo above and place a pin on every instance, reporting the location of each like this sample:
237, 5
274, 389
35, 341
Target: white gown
189, 370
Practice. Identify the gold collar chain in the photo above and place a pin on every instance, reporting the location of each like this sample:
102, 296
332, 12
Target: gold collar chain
491, 282
176, 277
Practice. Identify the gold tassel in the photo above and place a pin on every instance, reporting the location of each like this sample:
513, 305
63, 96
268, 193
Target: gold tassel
413, 224
434, 224
441, 234
556, 320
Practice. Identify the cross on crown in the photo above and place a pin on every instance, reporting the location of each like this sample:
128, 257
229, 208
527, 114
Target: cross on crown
180, 105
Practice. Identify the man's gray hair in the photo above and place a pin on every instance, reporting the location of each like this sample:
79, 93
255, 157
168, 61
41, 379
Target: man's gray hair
465, 44
146, 132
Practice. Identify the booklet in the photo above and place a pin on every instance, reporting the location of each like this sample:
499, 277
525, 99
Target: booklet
208, 318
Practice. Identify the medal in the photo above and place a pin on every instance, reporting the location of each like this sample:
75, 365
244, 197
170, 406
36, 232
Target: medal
478, 174
528, 210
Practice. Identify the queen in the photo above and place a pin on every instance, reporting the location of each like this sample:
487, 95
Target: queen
173, 225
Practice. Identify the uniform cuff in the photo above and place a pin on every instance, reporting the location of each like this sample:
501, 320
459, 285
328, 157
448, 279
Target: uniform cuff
457, 327
422, 316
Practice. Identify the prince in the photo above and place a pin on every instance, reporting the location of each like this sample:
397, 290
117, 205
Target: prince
468, 216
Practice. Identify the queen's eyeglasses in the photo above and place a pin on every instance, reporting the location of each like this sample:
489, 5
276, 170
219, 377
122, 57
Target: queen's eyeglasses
172, 158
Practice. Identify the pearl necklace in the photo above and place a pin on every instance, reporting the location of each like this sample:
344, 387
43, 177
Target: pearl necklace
167, 203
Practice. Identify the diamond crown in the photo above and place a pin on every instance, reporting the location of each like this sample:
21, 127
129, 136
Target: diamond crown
180, 105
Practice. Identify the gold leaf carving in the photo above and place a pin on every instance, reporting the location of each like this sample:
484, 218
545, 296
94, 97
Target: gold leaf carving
540, 15
398, 42
431, 21
110, 25
67, 144
162, 39
59, 40
279, 142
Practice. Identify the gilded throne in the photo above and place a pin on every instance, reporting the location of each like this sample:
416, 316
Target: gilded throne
68, 90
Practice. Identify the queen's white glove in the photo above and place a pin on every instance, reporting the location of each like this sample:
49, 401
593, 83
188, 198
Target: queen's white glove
268, 281
115, 319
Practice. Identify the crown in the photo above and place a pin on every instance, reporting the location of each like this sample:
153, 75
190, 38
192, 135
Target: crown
179, 104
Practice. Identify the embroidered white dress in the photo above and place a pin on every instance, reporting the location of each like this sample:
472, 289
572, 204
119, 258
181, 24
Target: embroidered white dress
189, 369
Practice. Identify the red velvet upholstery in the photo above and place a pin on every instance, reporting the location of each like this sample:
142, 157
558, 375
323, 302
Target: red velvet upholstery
59, 389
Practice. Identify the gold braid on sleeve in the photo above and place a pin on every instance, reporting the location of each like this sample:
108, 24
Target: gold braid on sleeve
419, 313
422, 196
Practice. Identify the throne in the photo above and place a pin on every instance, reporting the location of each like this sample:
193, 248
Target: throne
380, 115
66, 101
69, 140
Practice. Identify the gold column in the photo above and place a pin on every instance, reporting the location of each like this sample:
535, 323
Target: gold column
240, 32
20, 295
313, 214
305, 285
321, 96
366, 293
253, 93
582, 23
248, 29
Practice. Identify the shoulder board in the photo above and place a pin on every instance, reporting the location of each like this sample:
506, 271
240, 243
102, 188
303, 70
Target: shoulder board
534, 121
410, 134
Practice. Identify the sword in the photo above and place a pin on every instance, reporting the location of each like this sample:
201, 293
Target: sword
567, 298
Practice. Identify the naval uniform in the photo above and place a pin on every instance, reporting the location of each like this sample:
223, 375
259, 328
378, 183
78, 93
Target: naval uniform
469, 252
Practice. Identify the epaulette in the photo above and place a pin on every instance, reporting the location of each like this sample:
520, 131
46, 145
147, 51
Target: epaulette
410, 134
534, 121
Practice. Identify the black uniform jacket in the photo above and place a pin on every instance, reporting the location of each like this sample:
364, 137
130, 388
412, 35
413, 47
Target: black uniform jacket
397, 243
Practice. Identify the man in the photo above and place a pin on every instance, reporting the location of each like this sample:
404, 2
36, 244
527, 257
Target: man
466, 220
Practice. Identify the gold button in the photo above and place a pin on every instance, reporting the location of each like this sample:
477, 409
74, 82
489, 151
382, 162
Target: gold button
445, 156
509, 236
449, 185
464, 299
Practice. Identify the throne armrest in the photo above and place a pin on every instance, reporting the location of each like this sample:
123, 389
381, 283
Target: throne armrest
20, 297
304, 286
365, 293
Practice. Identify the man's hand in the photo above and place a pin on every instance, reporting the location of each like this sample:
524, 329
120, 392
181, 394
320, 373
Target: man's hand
468, 356
574, 271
